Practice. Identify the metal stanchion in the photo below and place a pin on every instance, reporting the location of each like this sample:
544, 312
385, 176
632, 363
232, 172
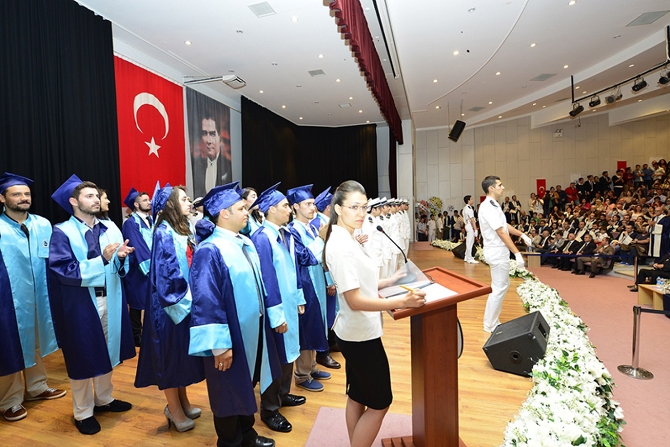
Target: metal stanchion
633, 370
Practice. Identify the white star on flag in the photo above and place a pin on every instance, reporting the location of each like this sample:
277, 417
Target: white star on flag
153, 147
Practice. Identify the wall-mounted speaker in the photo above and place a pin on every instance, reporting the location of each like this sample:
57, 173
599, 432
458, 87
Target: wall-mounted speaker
457, 130
516, 346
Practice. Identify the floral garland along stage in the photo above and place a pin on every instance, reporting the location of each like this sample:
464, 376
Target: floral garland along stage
571, 399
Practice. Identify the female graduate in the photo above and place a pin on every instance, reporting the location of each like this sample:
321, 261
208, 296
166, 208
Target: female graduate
358, 326
255, 216
164, 359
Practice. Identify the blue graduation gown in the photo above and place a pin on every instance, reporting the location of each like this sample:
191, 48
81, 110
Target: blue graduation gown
73, 277
24, 296
136, 282
164, 359
225, 314
313, 330
282, 285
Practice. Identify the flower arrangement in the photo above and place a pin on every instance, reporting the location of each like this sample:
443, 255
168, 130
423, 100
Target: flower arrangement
436, 203
571, 400
445, 245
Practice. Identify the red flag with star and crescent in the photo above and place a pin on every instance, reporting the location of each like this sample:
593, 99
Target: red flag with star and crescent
150, 113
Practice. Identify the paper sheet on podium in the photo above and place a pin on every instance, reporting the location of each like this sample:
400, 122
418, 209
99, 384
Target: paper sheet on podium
415, 279
436, 291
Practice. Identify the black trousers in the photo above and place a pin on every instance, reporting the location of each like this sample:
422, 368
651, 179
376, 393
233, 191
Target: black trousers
136, 324
273, 396
235, 431
646, 276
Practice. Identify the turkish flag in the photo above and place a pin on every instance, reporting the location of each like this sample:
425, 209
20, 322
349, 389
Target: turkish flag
150, 113
541, 185
621, 165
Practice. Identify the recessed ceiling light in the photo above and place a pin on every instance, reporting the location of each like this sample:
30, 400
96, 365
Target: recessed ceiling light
367, 121
490, 102
300, 118
350, 98
497, 73
639, 100
337, 80
187, 42
577, 88
283, 107
462, 114
499, 116
456, 53
320, 56
434, 80
544, 107
294, 19
631, 65
534, 103
360, 111
572, 2
261, 91
532, 45
565, 66
367, 8
437, 107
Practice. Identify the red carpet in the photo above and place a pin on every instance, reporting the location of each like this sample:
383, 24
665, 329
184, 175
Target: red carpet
330, 428
606, 306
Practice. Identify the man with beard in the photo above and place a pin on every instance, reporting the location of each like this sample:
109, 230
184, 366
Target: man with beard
26, 327
87, 259
138, 230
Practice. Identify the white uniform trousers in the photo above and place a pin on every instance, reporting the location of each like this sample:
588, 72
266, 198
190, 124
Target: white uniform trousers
87, 393
469, 242
499, 286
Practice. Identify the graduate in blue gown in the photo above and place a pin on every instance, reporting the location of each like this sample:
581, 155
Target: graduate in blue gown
309, 248
138, 229
87, 258
276, 250
231, 323
164, 359
255, 216
26, 326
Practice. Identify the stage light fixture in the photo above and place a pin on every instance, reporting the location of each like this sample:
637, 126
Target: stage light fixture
577, 108
614, 97
595, 101
664, 80
639, 84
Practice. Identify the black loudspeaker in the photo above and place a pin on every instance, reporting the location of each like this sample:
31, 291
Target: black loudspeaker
457, 130
516, 346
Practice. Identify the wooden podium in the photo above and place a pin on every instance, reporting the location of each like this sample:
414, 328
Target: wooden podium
435, 364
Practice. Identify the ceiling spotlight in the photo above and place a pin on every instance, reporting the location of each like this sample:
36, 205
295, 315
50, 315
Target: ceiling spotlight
595, 101
639, 84
577, 108
664, 80
614, 97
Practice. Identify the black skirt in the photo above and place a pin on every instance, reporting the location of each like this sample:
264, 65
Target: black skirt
368, 373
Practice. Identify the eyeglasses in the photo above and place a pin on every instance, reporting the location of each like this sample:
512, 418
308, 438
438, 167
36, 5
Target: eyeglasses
356, 208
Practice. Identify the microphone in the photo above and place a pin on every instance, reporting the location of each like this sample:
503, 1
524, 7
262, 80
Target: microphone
379, 228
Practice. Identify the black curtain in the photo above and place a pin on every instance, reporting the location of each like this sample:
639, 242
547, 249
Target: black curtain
57, 99
274, 149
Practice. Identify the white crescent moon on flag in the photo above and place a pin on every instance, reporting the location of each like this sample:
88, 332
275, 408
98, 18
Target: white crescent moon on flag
149, 99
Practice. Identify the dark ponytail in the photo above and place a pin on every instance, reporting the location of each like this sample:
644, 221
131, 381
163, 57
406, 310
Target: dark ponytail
341, 194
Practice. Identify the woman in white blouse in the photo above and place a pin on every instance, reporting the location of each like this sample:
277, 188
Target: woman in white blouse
358, 325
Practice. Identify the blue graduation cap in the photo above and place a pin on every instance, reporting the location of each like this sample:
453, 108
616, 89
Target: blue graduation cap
160, 198
64, 192
269, 197
8, 180
129, 201
221, 197
323, 199
297, 195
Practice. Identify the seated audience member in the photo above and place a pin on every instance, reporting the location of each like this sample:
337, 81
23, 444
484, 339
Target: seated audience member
569, 248
587, 248
660, 269
599, 260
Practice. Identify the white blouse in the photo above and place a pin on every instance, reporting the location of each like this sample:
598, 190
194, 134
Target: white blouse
351, 268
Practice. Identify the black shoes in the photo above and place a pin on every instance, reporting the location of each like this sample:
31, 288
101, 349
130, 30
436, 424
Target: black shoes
592, 275
277, 422
262, 441
115, 406
328, 361
88, 426
291, 400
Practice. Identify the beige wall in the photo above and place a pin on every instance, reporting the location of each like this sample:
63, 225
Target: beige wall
518, 154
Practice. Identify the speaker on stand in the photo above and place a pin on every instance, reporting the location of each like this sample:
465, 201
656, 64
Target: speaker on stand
516, 346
